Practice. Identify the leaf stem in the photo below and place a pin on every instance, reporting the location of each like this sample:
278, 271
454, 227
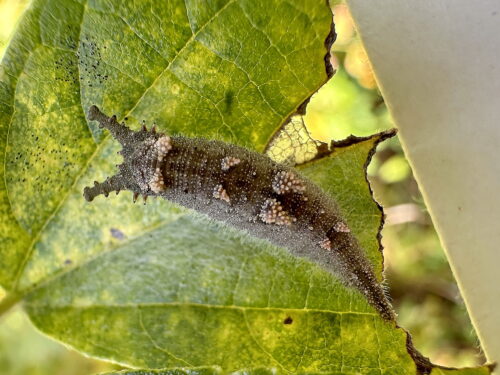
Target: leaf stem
8, 301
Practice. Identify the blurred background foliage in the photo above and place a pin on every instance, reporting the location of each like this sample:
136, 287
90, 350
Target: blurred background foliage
422, 286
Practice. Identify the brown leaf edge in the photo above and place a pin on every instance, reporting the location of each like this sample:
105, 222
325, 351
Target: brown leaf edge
329, 72
324, 150
423, 365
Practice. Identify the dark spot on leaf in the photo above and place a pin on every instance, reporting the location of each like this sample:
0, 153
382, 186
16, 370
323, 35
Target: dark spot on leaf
67, 262
228, 100
117, 233
288, 320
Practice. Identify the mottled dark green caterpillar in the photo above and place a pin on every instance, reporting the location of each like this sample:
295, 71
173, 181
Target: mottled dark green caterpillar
245, 189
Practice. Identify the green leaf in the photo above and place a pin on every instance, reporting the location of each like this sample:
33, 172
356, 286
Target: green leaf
191, 292
157, 286
261, 371
180, 371
209, 371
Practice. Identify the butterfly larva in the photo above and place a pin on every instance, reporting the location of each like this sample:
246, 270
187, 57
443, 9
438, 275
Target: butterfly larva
245, 189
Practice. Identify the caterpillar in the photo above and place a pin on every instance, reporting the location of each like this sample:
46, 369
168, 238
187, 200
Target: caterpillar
245, 189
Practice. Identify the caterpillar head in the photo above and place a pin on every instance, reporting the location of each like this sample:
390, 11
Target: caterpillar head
143, 152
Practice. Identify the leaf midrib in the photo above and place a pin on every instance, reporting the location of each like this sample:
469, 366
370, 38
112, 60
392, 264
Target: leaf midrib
199, 305
64, 271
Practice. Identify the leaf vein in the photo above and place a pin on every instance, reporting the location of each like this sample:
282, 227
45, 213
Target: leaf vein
65, 271
136, 33
201, 305
150, 338
259, 345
